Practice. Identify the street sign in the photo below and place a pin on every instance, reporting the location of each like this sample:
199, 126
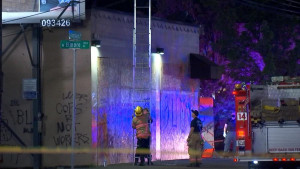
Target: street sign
74, 35
29, 89
66, 44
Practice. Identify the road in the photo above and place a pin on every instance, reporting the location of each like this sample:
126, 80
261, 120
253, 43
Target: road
212, 163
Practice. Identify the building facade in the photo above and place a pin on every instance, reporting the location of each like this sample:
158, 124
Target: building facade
103, 96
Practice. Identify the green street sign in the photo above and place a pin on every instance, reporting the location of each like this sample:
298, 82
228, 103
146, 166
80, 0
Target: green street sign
66, 44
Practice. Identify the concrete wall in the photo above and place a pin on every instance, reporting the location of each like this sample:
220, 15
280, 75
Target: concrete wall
173, 94
17, 112
57, 96
57, 67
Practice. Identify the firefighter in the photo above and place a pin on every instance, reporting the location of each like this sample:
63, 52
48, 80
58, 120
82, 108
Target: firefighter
195, 141
147, 147
229, 133
140, 123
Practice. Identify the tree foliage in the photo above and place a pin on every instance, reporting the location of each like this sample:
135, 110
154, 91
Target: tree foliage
251, 43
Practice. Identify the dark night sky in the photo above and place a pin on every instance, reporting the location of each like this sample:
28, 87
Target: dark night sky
285, 7
120, 5
128, 6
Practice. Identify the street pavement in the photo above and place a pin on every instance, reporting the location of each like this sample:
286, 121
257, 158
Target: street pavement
210, 163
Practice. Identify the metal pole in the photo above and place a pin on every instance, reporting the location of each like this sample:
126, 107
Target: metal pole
133, 73
74, 108
37, 103
150, 78
1, 79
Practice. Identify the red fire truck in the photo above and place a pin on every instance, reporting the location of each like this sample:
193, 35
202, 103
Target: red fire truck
268, 124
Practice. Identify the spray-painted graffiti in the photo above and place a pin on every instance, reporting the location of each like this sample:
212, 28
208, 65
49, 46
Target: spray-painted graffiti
115, 131
14, 102
16, 117
79, 97
10, 158
64, 110
175, 118
23, 118
62, 127
175, 121
19, 116
6, 135
65, 140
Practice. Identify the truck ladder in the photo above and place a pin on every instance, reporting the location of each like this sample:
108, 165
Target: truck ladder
141, 81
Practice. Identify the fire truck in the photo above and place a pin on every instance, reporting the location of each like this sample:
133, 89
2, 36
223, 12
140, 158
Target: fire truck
268, 124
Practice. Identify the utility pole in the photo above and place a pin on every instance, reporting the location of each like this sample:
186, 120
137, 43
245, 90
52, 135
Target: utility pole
37, 103
1, 73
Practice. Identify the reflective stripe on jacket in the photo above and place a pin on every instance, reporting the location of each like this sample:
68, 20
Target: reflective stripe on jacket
141, 125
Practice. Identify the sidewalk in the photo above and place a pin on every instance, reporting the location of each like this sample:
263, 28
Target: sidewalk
210, 163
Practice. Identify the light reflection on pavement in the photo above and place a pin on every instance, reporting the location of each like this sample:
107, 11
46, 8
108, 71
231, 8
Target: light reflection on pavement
212, 163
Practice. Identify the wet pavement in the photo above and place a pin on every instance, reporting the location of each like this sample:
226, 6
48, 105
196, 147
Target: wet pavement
210, 163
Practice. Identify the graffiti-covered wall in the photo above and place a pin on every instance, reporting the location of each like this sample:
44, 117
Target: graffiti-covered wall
58, 97
175, 118
55, 120
17, 113
113, 113
173, 93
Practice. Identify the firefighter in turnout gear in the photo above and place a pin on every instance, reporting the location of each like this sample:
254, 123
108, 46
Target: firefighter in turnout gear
195, 141
141, 123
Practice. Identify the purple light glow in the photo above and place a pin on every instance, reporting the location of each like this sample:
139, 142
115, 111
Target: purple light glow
112, 128
292, 46
258, 59
94, 133
175, 122
241, 28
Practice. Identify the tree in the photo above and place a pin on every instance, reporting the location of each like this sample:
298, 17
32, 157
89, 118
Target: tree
253, 44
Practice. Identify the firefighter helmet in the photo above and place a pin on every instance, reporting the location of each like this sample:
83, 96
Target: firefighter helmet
138, 111
238, 86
